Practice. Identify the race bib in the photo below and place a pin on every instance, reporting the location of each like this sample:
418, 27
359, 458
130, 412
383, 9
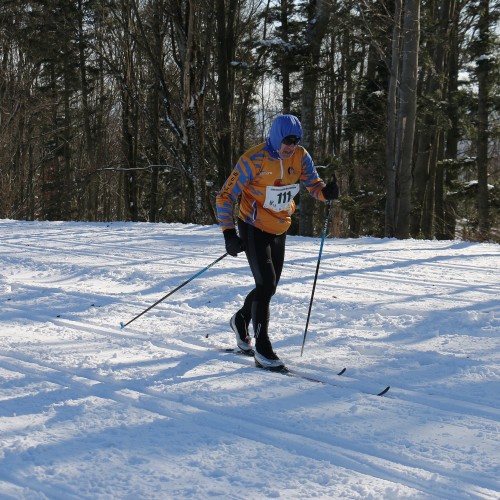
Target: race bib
279, 198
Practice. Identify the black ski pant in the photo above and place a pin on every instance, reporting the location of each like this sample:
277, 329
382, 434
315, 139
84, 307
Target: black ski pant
265, 253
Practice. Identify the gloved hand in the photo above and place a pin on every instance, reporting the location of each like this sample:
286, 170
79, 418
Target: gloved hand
234, 244
331, 190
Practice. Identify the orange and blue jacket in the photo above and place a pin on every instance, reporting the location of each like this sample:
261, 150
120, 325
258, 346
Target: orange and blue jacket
267, 185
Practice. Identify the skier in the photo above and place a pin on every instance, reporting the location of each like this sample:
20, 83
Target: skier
266, 179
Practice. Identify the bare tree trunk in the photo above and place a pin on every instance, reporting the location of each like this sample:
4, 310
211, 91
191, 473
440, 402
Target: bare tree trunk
431, 191
320, 13
484, 84
354, 222
424, 172
285, 63
129, 121
446, 228
226, 13
154, 107
407, 115
439, 194
154, 152
90, 211
65, 200
391, 179
192, 119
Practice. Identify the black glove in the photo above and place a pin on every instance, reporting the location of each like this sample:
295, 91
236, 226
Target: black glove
331, 190
234, 244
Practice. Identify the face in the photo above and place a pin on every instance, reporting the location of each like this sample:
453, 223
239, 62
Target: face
288, 147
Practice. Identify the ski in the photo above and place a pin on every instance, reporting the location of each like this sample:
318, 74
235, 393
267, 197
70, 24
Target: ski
292, 373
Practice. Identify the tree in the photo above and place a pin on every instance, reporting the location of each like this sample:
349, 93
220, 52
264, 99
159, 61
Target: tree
392, 125
484, 63
430, 136
226, 39
318, 17
128, 109
446, 173
398, 209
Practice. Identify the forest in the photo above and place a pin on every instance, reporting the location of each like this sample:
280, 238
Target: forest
137, 110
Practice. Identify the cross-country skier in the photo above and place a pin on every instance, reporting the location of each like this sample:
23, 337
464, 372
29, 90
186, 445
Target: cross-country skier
266, 180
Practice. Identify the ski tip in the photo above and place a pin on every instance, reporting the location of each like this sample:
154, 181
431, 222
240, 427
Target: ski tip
341, 372
384, 391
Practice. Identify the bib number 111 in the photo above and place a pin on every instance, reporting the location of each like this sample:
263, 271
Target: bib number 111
279, 198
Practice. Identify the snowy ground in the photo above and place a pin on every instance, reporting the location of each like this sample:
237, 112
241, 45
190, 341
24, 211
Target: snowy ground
153, 411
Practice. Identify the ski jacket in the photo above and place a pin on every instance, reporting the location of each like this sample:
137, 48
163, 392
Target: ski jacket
267, 184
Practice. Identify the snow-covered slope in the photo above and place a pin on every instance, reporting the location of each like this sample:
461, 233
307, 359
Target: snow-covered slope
92, 411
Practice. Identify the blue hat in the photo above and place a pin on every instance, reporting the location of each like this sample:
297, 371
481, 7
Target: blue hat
283, 126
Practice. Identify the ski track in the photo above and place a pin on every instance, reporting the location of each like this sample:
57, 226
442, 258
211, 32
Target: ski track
370, 385
390, 467
387, 468
189, 383
346, 381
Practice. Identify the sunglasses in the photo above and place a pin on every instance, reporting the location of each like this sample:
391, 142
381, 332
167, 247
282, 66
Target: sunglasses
290, 140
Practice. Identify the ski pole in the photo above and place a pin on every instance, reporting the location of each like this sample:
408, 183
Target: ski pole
122, 325
323, 236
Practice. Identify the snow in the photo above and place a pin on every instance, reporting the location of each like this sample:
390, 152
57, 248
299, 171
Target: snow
486, 57
92, 411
